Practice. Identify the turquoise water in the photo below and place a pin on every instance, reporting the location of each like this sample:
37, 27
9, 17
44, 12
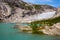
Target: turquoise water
8, 33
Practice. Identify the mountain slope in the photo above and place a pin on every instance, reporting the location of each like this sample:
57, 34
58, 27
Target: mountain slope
22, 12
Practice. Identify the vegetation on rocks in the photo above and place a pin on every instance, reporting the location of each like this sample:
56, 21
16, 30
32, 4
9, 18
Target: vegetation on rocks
37, 25
48, 22
37, 7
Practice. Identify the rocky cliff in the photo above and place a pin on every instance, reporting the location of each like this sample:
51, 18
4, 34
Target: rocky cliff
18, 11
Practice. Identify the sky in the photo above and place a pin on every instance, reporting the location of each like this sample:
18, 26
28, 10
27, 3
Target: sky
55, 3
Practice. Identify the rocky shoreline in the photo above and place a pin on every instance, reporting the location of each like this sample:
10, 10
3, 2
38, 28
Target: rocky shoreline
53, 30
49, 30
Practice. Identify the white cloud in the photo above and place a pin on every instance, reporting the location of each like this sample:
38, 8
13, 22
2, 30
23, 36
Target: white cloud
34, 1
29, 1
45, 0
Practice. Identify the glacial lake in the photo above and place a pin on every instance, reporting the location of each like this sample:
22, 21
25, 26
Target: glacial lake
7, 32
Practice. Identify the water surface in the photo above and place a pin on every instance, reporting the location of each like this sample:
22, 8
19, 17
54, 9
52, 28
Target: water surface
8, 33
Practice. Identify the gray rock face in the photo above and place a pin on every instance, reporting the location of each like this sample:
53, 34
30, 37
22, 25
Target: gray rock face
5, 10
53, 30
22, 12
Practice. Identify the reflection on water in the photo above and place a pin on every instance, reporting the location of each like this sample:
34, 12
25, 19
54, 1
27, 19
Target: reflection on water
8, 33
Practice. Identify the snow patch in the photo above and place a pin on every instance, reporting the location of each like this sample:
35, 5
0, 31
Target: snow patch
42, 16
